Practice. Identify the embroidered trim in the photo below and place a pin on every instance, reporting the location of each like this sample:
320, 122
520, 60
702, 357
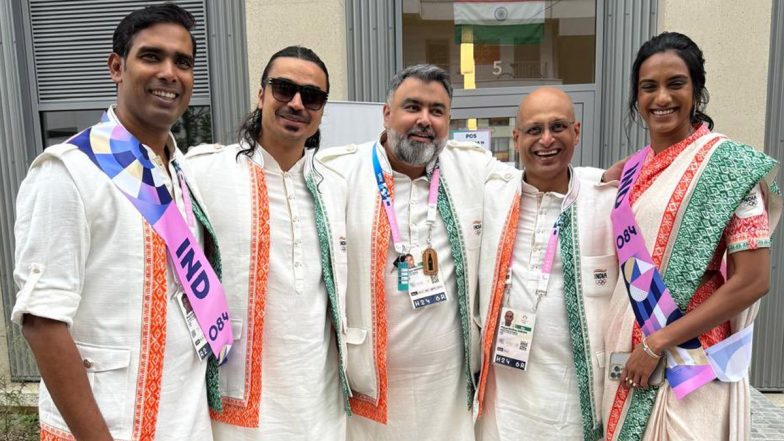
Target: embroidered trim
731, 172
654, 165
363, 405
212, 252
622, 393
245, 412
153, 339
578, 328
152, 347
325, 242
458, 255
635, 421
503, 260
748, 233
676, 201
49, 433
774, 188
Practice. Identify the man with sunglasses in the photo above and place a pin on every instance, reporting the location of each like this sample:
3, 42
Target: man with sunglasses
286, 379
411, 334
547, 257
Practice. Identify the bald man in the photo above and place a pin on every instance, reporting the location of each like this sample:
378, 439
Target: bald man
547, 258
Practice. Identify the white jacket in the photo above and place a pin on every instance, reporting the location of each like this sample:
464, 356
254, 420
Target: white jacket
225, 178
594, 254
464, 169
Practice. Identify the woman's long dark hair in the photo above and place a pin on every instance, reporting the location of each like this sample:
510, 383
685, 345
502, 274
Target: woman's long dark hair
250, 130
691, 54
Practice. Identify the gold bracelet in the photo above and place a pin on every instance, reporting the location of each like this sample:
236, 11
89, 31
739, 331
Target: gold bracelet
649, 351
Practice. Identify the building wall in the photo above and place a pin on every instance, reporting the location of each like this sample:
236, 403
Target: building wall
735, 39
5, 367
320, 25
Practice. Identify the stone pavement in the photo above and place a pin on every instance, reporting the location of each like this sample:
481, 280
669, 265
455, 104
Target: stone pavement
767, 419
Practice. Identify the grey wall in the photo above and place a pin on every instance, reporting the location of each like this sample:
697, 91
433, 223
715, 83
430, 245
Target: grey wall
373, 41
17, 149
228, 69
767, 368
627, 25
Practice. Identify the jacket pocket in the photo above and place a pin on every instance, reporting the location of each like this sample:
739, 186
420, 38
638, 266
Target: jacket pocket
108, 375
361, 363
599, 275
232, 374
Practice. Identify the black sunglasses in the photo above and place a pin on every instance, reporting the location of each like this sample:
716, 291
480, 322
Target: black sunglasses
284, 90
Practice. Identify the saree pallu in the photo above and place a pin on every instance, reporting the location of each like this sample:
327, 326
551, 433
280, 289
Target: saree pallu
683, 211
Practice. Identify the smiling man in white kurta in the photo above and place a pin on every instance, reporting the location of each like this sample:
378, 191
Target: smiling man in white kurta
411, 337
285, 380
542, 376
98, 293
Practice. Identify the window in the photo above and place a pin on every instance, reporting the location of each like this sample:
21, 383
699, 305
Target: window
194, 126
503, 44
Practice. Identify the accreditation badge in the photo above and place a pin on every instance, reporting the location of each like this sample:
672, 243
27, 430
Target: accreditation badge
514, 337
424, 290
197, 336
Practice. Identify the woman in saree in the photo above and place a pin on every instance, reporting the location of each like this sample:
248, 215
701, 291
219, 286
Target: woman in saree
692, 223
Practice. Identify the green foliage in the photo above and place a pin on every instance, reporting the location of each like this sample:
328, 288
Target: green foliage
194, 127
17, 421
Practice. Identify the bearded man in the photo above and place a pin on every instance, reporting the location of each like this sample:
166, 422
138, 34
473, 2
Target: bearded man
412, 340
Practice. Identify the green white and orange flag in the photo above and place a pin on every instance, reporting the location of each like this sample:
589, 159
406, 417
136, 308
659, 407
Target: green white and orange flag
500, 21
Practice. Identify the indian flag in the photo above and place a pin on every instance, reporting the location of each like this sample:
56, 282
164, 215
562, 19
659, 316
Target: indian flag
499, 21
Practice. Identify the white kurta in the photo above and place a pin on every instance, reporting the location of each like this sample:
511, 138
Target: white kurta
300, 394
543, 401
85, 257
426, 381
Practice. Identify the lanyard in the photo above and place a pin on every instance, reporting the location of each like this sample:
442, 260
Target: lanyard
547, 264
389, 204
186, 196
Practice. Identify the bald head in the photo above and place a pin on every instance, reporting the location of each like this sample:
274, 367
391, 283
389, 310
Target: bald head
546, 98
545, 136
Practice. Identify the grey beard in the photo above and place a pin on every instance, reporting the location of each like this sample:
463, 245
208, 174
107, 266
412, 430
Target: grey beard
413, 152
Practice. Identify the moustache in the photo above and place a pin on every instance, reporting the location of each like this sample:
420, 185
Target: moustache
428, 133
294, 115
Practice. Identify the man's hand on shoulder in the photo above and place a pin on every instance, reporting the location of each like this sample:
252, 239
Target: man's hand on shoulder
614, 172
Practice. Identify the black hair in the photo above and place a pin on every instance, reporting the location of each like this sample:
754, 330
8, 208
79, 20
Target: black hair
149, 16
250, 130
691, 55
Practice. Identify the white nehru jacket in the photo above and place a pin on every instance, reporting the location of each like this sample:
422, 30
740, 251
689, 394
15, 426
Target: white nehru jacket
542, 402
301, 397
80, 259
424, 346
